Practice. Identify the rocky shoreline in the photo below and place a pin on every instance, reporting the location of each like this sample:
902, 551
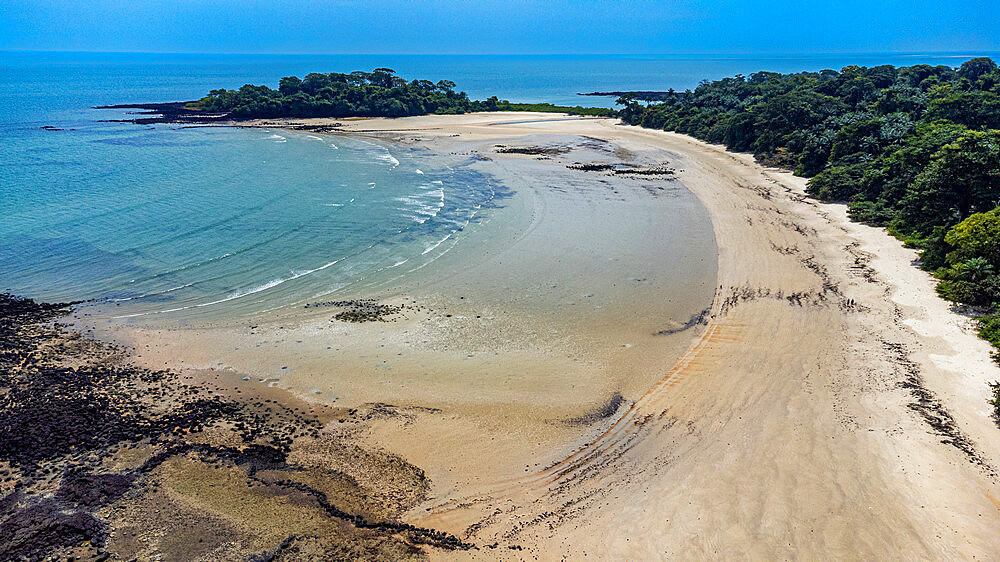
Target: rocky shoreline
95, 453
167, 112
642, 95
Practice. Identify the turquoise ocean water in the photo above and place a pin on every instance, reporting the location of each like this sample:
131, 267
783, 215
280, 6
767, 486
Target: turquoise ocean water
164, 219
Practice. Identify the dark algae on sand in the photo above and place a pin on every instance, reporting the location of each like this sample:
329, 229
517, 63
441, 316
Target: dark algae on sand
101, 459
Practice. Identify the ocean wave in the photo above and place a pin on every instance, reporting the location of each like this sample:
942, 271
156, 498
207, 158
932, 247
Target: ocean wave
239, 214
276, 138
438, 243
240, 293
252, 290
152, 294
182, 268
254, 246
333, 146
151, 313
388, 157
383, 155
424, 205
419, 171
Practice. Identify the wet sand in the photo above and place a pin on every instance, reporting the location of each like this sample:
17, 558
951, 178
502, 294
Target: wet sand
829, 406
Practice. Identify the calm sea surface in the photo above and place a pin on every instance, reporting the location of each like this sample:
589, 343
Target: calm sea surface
165, 219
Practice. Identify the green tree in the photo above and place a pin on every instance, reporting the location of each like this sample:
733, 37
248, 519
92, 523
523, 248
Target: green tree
886, 179
974, 68
289, 85
978, 236
962, 177
973, 282
976, 110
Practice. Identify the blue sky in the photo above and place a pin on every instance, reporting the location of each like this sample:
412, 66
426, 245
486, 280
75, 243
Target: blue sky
492, 27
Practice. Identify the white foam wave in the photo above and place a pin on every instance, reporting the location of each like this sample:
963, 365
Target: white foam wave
250, 291
388, 157
333, 146
420, 172
239, 294
269, 284
384, 153
144, 295
425, 205
276, 138
436, 244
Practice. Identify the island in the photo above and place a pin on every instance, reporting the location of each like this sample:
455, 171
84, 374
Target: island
379, 93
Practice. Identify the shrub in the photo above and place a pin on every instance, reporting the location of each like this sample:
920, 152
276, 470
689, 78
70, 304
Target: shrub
869, 212
995, 401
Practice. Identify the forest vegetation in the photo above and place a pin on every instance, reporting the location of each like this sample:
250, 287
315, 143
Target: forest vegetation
379, 93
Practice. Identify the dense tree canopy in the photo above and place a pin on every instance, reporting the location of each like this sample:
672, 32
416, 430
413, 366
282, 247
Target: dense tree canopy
962, 177
974, 260
376, 93
379, 93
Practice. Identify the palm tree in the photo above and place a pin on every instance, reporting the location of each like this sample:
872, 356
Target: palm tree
977, 269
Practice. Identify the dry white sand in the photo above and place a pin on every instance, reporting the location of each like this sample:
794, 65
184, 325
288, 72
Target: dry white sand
833, 407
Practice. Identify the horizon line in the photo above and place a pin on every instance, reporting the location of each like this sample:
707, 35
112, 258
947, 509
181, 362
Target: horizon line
955, 54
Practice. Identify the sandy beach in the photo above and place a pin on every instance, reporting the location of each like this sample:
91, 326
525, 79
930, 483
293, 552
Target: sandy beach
812, 397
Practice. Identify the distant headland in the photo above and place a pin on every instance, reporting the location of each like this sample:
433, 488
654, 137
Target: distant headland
379, 93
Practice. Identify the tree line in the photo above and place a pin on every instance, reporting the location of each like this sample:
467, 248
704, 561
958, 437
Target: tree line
380, 93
